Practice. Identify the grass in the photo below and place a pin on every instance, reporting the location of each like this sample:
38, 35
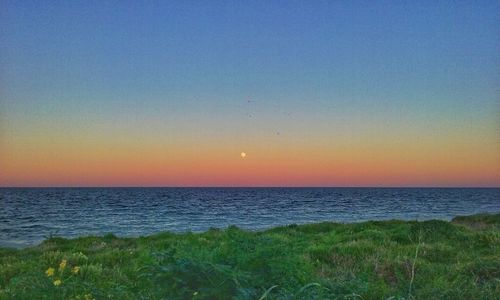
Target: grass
370, 260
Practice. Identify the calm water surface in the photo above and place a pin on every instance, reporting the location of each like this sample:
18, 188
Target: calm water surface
27, 216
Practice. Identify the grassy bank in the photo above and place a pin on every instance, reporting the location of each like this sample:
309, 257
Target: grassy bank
371, 260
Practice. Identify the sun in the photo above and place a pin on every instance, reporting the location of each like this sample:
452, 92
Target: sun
243, 155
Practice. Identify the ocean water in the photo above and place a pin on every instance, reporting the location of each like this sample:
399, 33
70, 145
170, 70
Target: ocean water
29, 215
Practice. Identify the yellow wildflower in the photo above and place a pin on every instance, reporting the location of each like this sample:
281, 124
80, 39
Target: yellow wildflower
50, 272
75, 270
62, 265
57, 282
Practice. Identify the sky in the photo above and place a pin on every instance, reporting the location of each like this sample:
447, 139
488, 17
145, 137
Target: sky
316, 93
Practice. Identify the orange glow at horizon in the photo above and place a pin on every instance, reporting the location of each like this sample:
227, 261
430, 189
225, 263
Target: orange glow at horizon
286, 163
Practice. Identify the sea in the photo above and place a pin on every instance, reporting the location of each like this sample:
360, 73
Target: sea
30, 215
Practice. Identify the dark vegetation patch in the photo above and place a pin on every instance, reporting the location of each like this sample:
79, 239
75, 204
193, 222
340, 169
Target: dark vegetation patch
479, 221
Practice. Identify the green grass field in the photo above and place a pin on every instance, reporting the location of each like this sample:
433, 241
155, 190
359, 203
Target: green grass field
371, 260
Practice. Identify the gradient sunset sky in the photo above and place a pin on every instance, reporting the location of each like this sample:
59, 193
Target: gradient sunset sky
316, 93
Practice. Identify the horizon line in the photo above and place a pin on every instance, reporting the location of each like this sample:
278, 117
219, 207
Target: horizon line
263, 187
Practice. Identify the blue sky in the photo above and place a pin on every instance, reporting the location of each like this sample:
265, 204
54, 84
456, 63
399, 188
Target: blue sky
320, 68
